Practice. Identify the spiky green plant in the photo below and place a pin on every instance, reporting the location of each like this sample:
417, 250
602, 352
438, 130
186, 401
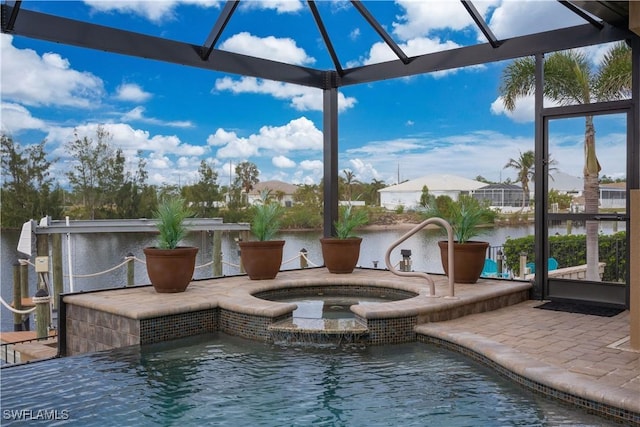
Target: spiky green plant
348, 220
171, 213
267, 215
465, 216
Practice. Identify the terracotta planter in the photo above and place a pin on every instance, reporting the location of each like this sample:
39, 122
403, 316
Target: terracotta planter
261, 260
469, 260
340, 255
170, 270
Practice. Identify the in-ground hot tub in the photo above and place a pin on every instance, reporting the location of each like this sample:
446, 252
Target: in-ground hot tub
327, 313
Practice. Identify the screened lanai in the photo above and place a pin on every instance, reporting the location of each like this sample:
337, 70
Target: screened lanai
593, 23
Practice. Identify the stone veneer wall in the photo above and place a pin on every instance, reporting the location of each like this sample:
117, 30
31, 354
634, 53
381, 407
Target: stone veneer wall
248, 326
90, 330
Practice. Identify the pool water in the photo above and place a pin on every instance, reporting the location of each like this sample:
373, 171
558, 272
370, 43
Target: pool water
220, 380
328, 307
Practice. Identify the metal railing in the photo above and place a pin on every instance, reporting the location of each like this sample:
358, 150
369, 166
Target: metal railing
432, 288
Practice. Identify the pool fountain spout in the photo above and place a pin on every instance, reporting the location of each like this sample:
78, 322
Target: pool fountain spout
432, 288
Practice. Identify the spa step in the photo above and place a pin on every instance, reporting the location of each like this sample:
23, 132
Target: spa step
318, 331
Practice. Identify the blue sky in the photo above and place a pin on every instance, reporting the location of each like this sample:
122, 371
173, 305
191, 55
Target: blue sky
451, 122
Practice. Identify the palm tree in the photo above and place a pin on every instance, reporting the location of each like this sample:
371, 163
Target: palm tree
524, 165
570, 80
349, 180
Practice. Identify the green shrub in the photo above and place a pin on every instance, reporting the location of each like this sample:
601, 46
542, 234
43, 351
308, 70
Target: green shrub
571, 250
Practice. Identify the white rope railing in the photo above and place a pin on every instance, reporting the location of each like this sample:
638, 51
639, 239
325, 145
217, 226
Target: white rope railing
204, 265
304, 255
290, 259
109, 270
231, 265
9, 307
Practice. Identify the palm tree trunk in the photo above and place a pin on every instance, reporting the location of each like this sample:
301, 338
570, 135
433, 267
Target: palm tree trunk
591, 198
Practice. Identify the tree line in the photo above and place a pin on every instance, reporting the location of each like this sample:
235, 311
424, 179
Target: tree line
99, 185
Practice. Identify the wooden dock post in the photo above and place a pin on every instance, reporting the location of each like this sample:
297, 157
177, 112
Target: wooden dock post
17, 297
303, 258
56, 260
217, 253
24, 279
244, 236
131, 270
43, 318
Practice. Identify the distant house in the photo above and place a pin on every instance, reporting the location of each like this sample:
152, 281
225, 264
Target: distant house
407, 194
281, 191
613, 195
502, 196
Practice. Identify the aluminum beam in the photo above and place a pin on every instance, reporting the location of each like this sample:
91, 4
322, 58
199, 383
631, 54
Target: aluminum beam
133, 226
77, 33
217, 29
330, 157
378, 28
481, 23
550, 41
325, 36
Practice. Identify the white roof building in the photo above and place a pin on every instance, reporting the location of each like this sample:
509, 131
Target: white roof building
407, 194
283, 191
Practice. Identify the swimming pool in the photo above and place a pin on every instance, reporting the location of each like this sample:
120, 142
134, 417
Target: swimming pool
217, 379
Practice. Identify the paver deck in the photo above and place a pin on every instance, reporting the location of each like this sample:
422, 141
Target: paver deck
584, 355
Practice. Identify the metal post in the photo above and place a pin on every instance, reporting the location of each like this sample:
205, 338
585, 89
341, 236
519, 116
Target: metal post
523, 264
499, 262
244, 236
405, 264
56, 261
303, 258
131, 270
17, 297
41, 300
24, 289
217, 253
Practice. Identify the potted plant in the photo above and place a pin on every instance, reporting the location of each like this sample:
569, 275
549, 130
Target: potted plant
169, 266
262, 258
341, 252
465, 215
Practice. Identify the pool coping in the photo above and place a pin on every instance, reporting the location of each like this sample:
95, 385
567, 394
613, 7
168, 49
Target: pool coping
540, 377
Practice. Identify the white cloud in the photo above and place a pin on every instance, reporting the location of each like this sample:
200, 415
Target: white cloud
154, 11
276, 49
354, 34
422, 17
137, 114
298, 134
524, 111
15, 118
280, 6
515, 18
46, 80
131, 92
283, 162
364, 172
302, 98
380, 52
311, 165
